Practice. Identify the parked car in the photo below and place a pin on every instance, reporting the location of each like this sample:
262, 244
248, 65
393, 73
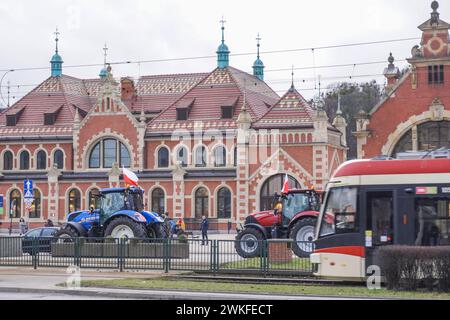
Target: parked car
44, 238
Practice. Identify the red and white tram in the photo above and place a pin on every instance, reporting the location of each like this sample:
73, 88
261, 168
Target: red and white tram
372, 203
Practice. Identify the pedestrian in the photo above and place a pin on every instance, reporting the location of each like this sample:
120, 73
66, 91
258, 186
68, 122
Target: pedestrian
22, 226
229, 226
49, 223
204, 228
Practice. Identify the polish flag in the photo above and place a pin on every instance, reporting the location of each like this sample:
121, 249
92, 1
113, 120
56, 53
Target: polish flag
285, 189
130, 177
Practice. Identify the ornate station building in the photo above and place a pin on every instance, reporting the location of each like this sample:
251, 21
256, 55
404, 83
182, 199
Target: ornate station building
217, 144
415, 114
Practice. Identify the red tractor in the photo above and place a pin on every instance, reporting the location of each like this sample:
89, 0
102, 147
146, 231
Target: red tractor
294, 217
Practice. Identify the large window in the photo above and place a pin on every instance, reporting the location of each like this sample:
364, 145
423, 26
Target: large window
182, 157
220, 156
24, 160
7, 160
432, 223
15, 203
340, 215
274, 185
163, 157
74, 200
94, 198
58, 159
108, 151
430, 136
201, 203
158, 200
36, 206
224, 203
41, 160
436, 74
200, 156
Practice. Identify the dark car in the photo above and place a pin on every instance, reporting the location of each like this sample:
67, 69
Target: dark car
41, 238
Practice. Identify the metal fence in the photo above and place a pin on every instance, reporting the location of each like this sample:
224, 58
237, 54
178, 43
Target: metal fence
212, 256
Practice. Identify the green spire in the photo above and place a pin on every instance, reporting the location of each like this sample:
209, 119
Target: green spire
223, 53
104, 71
57, 61
258, 65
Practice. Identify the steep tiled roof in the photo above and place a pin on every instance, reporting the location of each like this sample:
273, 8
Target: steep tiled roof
221, 87
292, 110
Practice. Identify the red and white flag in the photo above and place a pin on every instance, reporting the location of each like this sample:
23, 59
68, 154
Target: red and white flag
130, 177
285, 189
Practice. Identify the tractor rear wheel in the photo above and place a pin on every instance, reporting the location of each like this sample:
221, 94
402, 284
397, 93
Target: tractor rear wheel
248, 243
123, 227
303, 234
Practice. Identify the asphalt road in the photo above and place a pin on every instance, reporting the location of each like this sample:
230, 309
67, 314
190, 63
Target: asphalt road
49, 296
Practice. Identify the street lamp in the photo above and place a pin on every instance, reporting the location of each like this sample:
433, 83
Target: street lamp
1, 81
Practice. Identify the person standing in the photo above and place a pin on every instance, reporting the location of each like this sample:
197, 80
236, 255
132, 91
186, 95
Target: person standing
204, 228
22, 226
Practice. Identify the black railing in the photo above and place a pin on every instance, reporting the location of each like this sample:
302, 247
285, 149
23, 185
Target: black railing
212, 256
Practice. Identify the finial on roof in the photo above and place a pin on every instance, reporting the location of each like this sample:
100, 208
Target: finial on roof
435, 14
223, 53
104, 72
258, 65
56, 62
391, 60
292, 79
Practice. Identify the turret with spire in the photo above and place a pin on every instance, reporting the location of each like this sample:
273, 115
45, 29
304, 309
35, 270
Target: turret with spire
223, 53
340, 123
57, 61
258, 65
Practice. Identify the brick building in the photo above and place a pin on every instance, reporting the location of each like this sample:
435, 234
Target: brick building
215, 144
415, 114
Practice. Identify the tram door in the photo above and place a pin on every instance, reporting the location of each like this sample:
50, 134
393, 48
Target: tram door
379, 222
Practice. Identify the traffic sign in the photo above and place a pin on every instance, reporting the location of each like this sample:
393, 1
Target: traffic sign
28, 189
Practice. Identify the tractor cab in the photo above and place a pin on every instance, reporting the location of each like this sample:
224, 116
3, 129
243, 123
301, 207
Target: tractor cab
294, 203
120, 199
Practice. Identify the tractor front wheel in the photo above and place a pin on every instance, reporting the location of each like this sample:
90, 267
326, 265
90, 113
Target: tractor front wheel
66, 234
303, 234
248, 243
125, 228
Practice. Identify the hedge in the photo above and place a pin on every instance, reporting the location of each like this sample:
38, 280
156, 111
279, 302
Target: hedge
409, 268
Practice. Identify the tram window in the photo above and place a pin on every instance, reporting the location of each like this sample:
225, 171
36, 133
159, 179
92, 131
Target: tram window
340, 215
380, 217
432, 222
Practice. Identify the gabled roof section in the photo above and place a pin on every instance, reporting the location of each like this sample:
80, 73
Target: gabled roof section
291, 111
221, 87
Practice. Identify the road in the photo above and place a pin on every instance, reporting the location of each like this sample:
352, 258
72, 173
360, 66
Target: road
49, 296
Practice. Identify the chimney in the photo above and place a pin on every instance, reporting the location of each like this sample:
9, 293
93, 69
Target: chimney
127, 89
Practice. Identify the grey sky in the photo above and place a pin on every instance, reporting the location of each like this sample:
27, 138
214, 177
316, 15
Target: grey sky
159, 29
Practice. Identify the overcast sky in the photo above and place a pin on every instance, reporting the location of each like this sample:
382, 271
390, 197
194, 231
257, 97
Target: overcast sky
163, 29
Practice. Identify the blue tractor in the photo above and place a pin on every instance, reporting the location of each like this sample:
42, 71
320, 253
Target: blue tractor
121, 215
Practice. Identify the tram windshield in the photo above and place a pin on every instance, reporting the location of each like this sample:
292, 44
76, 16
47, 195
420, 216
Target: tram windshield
339, 213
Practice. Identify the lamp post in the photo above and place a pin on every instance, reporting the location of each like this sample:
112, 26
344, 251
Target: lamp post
1, 81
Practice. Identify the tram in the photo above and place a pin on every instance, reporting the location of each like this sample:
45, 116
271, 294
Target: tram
373, 203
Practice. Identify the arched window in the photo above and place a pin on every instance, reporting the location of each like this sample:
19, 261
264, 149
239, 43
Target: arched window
35, 211
431, 135
158, 198
224, 203
274, 185
220, 156
108, 151
74, 200
24, 160
163, 157
94, 199
200, 156
7, 160
41, 160
201, 203
182, 157
58, 159
15, 203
